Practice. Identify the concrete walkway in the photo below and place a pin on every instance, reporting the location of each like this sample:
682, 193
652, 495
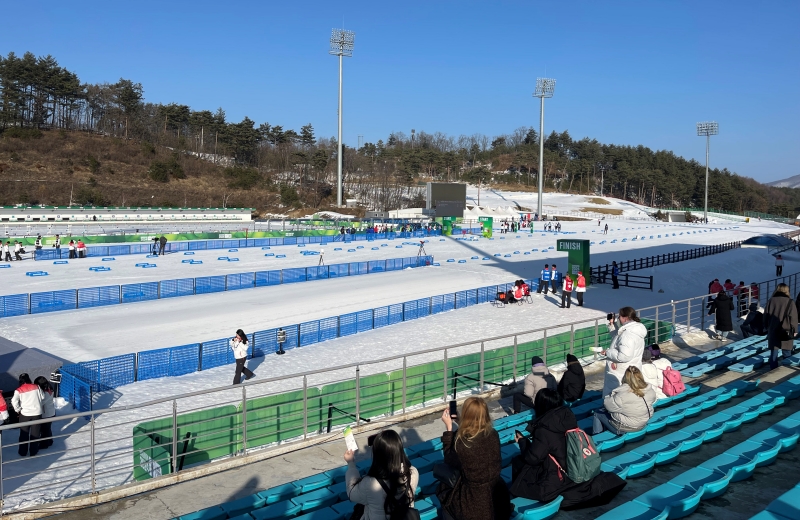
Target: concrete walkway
741, 501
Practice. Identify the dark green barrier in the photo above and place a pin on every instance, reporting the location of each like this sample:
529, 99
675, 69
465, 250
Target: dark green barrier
202, 436
217, 432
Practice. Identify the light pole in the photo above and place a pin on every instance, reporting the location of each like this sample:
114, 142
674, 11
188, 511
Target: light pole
341, 45
707, 129
602, 178
544, 89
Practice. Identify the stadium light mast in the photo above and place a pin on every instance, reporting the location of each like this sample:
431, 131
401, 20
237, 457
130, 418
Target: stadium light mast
707, 129
544, 89
341, 45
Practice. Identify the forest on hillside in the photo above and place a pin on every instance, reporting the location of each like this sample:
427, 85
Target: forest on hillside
37, 94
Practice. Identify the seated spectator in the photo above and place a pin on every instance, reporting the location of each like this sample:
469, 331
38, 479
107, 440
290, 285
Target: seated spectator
653, 371
510, 297
628, 407
538, 471
518, 291
753, 324
538, 379
387, 490
573, 381
473, 451
526, 290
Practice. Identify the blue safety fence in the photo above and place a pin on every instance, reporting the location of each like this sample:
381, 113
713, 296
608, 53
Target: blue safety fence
201, 245
68, 299
108, 373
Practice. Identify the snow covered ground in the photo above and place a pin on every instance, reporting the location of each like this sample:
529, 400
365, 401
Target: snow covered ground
105, 331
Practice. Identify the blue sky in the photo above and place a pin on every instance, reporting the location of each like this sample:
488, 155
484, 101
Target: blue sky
628, 72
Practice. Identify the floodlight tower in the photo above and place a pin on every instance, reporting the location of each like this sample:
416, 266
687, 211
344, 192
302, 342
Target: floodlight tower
707, 129
341, 45
544, 89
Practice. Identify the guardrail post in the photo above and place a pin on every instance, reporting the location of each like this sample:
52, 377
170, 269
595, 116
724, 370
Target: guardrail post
596, 335
174, 435
673, 313
514, 362
91, 419
244, 420
305, 407
544, 348
482, 366
651, 283
688, 315
404, 384
358, 395
445, 375
571, 338
658, 336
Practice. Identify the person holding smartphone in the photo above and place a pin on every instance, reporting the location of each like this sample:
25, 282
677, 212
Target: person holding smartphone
473, 451
626, 349
239, 346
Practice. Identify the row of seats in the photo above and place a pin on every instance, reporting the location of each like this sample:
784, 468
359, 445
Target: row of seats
785, 507
715, 353
726, 360
754, 363
323, 496
681, 495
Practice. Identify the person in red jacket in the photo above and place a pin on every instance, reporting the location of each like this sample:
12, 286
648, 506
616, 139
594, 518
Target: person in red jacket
566, 293
581, 288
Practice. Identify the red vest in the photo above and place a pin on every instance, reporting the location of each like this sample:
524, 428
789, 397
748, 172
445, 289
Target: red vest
568, 284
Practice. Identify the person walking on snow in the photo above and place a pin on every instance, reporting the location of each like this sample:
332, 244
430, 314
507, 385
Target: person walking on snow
580, 288
605, 230
544, 280
778, 265
239, 346
566, 293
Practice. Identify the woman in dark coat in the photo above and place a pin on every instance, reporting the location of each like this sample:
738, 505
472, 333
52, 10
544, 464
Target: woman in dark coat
723, 305
480, 493
537, 477
573, 382
780, 315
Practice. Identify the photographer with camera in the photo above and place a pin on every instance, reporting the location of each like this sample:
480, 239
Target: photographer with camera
626, 349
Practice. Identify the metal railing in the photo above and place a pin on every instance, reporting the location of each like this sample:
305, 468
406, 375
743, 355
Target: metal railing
94, 450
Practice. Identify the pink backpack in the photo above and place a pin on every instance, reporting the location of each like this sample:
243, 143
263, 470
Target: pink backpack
672, 384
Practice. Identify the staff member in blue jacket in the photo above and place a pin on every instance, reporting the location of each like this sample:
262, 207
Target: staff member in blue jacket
555, 278
544, 279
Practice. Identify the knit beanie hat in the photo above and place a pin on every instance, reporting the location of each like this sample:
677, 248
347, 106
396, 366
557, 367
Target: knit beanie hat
647, 356
536, 361
571, 359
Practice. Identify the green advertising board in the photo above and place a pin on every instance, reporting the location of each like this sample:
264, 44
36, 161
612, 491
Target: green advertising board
577, 256
486, 226
447, 225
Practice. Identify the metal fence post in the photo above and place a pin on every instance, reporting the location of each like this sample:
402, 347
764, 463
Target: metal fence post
514, 363
482, 367
305, 407
689, 316
544, 347
174, 436
92, 454
244, 420
571, 338
445, 375
658, 336
673, 313
404, 384
358, 395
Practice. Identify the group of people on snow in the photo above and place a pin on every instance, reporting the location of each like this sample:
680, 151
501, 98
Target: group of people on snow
33, 400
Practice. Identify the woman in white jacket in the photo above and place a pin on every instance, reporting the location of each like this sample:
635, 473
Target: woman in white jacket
627, 346
389, 485
240, 348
